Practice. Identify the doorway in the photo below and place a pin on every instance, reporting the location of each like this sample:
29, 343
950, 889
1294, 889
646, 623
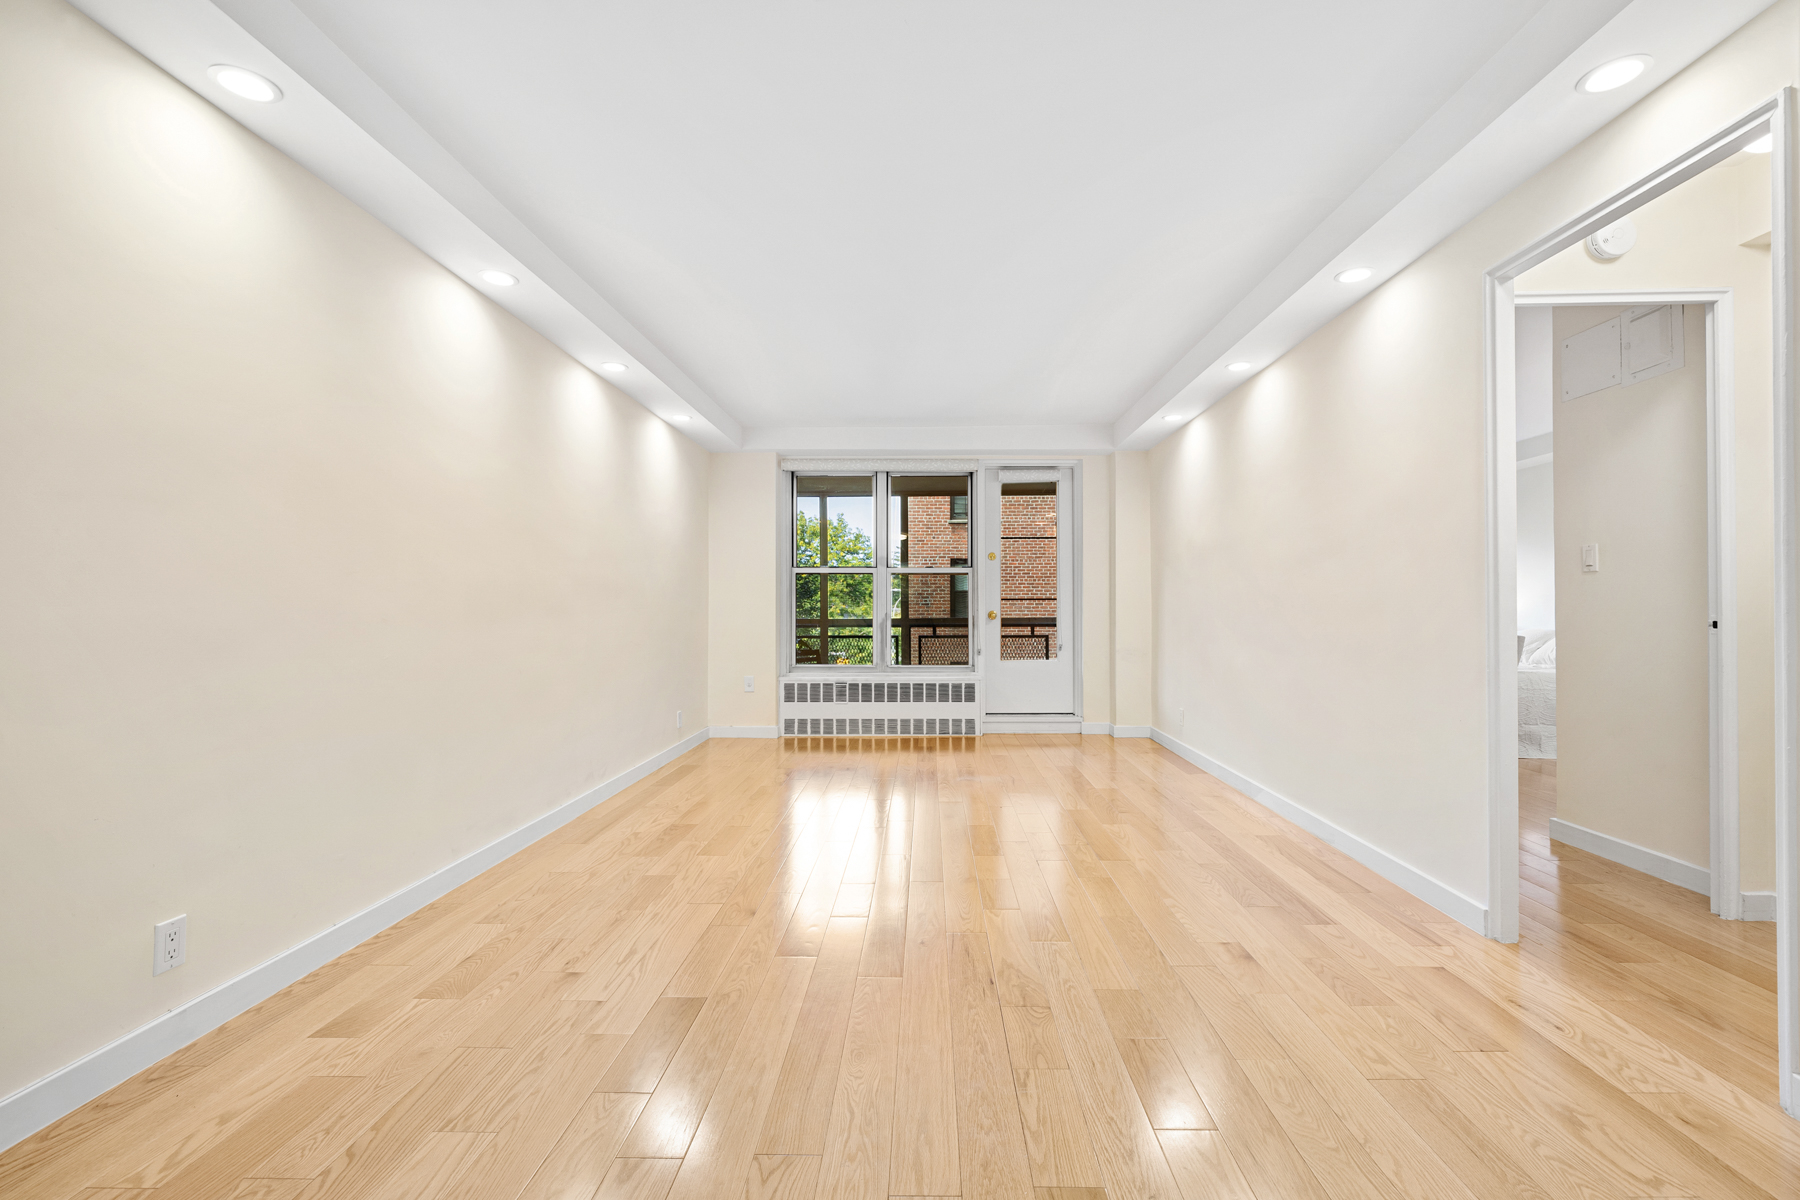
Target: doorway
1028, 634
1768, 127
1627, 673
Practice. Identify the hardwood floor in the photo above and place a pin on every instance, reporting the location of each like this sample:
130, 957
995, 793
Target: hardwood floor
1044, 968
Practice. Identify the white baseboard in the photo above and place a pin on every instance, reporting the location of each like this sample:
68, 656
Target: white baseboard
1638, 858
1107, 729
63, 1091
1440, 896
744, 731
1031, 723
1757, 906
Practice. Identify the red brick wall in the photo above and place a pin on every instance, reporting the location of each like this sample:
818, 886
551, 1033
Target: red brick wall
1028, 574
933, 540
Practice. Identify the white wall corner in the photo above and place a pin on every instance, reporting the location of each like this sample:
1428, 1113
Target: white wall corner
1629, 854
1445, 899
61, 1092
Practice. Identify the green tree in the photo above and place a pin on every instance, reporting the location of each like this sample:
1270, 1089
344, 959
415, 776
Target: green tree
847, 597
848, 545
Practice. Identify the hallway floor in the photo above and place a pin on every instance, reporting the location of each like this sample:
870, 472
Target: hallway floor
872, 969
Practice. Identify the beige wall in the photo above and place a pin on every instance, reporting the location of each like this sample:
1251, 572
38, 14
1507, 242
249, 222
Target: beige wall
1131, 589
1692, 238
745, 589
1319, 583
322, 571
1631, 638
1096, 589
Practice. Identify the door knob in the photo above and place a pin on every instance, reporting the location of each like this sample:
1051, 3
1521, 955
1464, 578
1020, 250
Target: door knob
991, 614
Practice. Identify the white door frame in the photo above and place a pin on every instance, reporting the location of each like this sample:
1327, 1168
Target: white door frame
1777, 117
1721, 566
1071, 599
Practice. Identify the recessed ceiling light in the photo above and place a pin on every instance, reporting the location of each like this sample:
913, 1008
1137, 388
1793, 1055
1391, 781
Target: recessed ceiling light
1173, 417
1239, 366
1615, 74
1354, 275
247, 84
499, 278
678, 416
1762, 145
613, 368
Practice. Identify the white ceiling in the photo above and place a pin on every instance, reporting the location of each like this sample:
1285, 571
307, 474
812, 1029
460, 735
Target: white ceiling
1002, 225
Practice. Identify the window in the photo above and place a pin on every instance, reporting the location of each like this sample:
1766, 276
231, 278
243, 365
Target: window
904, 538
1028, 571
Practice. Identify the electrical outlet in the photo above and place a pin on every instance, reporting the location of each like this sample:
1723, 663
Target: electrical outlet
678, 718
171, 945
749, 683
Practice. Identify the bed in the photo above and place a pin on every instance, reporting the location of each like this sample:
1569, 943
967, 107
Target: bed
1537, 693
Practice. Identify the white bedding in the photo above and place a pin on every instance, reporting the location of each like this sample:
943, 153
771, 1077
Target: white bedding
1537, 712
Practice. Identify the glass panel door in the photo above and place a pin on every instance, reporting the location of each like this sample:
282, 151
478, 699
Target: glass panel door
1026, 636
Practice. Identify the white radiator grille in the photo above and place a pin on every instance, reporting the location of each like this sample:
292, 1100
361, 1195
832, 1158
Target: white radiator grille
879, 708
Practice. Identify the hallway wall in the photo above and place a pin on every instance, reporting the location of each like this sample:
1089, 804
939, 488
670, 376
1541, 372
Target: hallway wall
747, 551
322, 571
1319, 565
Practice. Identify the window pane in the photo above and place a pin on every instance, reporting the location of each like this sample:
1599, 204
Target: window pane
834, 619
928, 621
1028, 570
928, 521
834, 520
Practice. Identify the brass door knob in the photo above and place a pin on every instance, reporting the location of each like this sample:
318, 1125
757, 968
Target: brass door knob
992, 614
990, 556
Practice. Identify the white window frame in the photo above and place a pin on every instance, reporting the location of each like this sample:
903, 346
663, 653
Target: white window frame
881, 473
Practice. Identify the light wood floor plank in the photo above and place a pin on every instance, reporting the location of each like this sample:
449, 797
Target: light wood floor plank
859, 1138
992, 1158
923, 1161
1055, 968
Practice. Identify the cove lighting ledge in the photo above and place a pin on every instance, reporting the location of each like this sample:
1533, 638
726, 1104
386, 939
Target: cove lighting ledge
1614, 74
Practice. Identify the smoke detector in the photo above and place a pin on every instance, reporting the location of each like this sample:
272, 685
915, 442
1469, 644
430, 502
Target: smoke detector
1614, 240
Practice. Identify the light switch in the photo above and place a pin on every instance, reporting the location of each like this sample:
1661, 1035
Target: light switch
1590, 557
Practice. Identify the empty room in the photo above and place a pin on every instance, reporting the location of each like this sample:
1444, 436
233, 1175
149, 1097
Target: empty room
635, 601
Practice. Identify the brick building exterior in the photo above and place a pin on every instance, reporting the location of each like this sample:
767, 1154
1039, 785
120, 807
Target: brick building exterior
1027, 575
935, 533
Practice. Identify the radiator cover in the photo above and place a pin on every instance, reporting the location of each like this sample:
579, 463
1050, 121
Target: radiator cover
885, 707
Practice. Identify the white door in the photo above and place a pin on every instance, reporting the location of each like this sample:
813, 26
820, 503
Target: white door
1027, 629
